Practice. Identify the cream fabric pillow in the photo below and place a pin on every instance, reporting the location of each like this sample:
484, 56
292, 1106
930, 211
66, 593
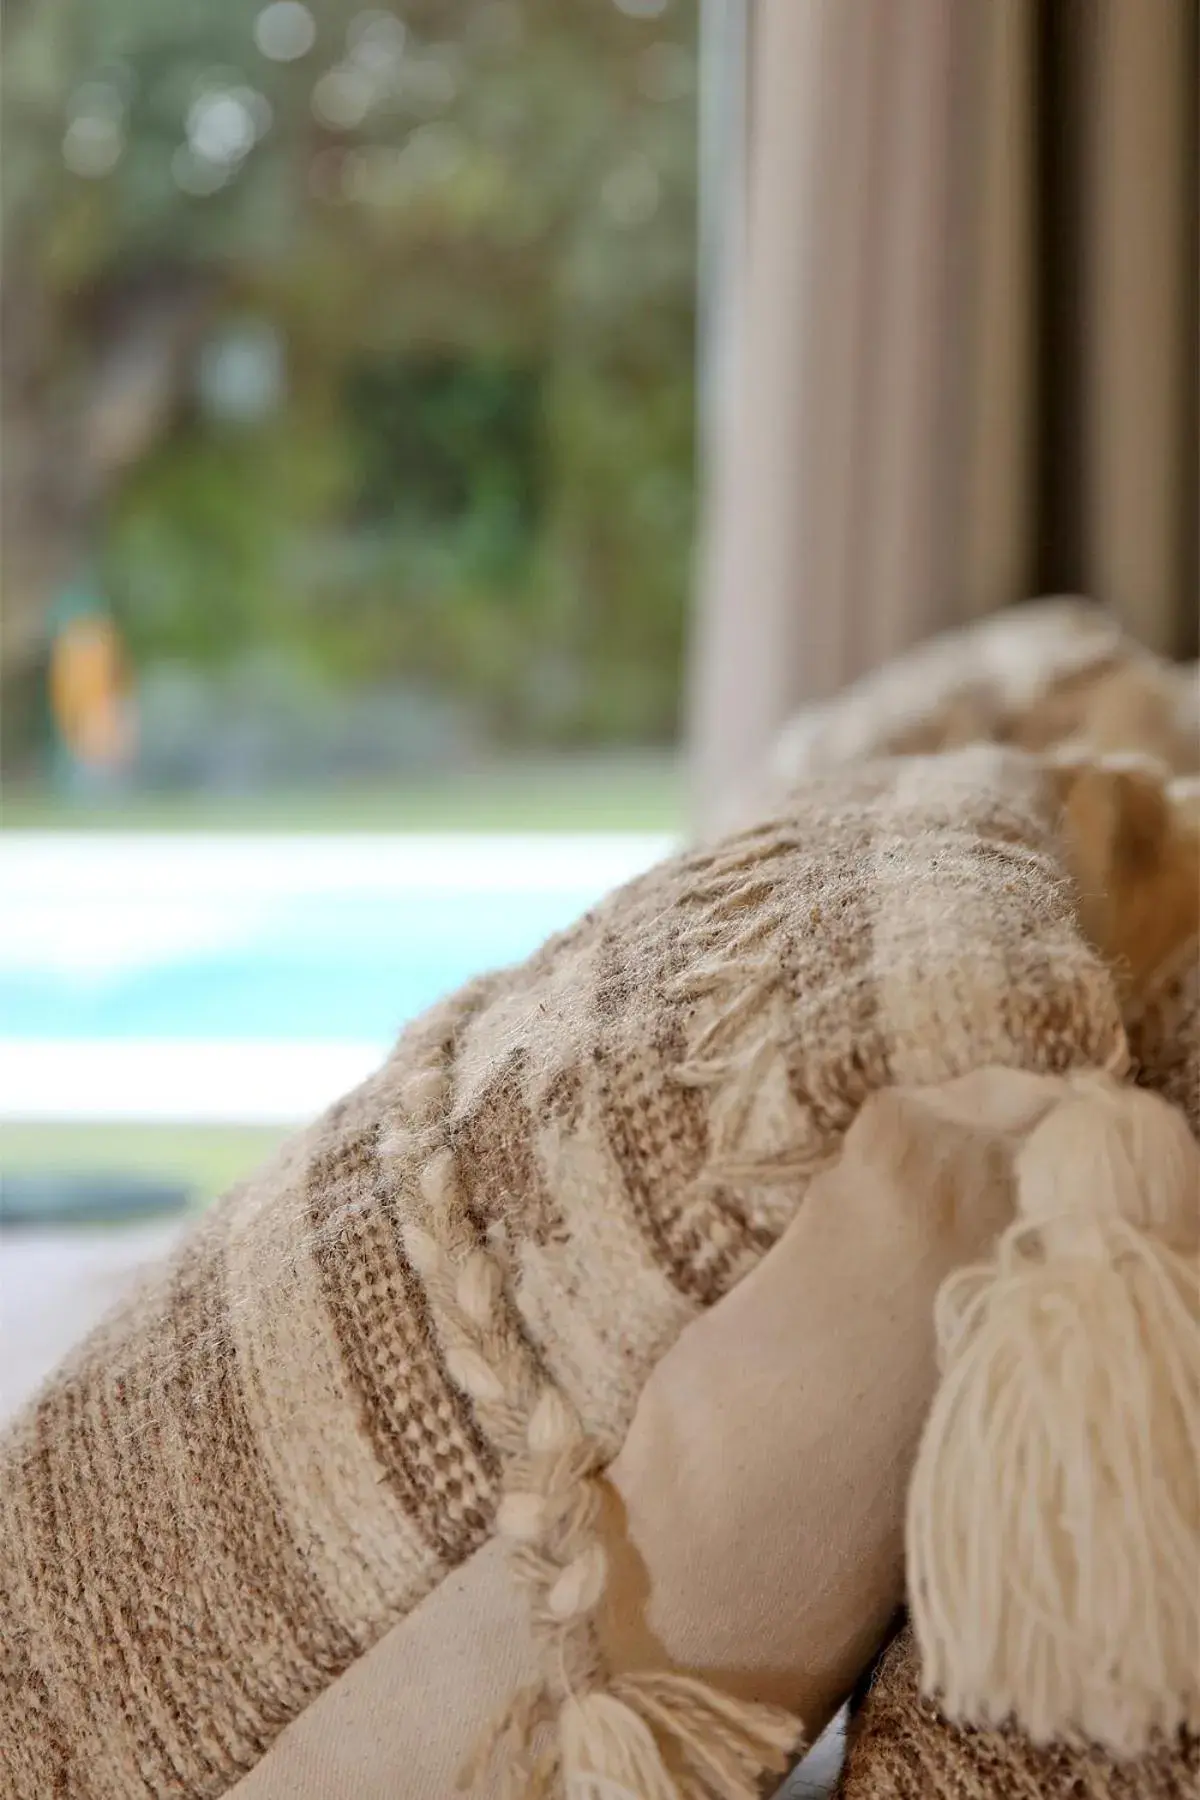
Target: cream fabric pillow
431, 1319
900, 1747
756, 1522
1037, 675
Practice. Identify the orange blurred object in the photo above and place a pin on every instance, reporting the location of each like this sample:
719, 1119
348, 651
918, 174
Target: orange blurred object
89, 693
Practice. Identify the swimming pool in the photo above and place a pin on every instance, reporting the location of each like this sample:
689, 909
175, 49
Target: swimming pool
253, 978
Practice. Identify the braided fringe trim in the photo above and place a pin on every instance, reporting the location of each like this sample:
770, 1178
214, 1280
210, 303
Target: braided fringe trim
582, 1732
733, 1055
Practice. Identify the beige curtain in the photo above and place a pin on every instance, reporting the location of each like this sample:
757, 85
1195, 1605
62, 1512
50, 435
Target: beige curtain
960, 349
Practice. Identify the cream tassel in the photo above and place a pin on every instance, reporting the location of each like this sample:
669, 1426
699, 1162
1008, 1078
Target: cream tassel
609, 1753
616, 1741
1054, 1512
727, 1744
643, 1736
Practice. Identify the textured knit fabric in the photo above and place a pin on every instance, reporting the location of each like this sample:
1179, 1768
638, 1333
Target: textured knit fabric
402, 1721
899, 1748
268, 1455
757, 1502
1057, 672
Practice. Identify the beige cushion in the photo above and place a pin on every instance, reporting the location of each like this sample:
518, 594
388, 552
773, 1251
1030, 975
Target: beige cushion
303, 1422
404, 1718
757, 1517
899, 1747
1038, 675
758, 1538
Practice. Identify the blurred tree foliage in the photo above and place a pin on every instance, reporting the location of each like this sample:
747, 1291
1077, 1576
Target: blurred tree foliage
459, 241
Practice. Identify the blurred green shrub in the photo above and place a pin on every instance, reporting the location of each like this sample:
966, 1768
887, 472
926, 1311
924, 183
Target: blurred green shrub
469, 235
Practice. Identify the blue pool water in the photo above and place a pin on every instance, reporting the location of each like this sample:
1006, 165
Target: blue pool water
212, 978
321, 967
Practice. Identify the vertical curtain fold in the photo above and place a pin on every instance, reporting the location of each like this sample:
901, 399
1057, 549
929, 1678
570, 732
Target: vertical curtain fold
964, 361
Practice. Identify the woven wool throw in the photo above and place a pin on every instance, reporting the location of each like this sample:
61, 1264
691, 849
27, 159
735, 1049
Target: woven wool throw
1053, 1543
1038, 675
758, 1498
430, 1319
900, 1748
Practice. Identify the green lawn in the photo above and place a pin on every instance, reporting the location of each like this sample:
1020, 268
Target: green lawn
643, 793
205, 1158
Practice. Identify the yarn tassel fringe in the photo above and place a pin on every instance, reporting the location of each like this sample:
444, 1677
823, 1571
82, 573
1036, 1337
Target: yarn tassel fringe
1054, 1512
643, 1736
724, 1744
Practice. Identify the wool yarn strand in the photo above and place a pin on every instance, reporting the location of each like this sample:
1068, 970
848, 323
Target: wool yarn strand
1054, 1511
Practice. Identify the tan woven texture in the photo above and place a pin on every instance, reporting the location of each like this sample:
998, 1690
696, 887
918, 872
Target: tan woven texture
1164, 1036
900, 1749
1042, 675
268, 1456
